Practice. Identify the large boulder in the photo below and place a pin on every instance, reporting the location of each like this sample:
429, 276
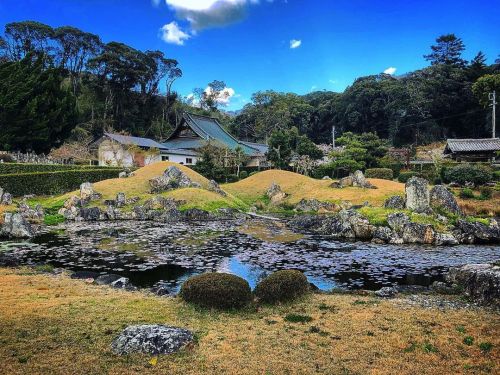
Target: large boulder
32, 214
90, 214
347, 224
441, 198
314, 205
397, 221
474, 232
395, 202
359, 180
214, 187
275, 194
419, 233
5, 198
417, 195
86, 191
16, 226
121, 200
151, 339
172, 178
480, 282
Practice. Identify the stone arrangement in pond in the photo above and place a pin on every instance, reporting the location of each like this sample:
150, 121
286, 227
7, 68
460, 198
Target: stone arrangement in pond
161, 256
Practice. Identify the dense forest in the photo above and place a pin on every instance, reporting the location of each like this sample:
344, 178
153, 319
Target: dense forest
65, 85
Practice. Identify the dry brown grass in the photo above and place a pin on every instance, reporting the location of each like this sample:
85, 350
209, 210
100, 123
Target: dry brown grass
300, 187
3, 210
54, 325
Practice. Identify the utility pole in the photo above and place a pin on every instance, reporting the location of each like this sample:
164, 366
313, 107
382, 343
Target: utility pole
493, 97
333, 136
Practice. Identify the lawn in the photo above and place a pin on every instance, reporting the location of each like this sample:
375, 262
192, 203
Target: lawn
52, 324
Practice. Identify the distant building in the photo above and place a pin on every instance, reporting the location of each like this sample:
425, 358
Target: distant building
473, 150
182, 146
195, 131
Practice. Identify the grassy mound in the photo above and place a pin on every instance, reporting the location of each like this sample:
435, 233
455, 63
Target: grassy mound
300, 187
217, 290
282, 286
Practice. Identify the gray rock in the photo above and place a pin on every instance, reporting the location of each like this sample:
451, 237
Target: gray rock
107, 279
386, 292
314, 205
307, 222
69, 213
478, 232
443, 288
442, 198
275, 194
396, 202
86, 191
16, 226
359, 224
90, 214
31, 214
326, 178
161, 288
359, 180
445, 239
480, 282
397, 221
214, 187
417, 195
172, 178
121, 200
419, 233
5, 198
382, 235
151, 339
122, 283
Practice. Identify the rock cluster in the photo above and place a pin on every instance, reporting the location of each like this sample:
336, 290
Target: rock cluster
275, 194
357, 179
36, 214
172, 178
5, 198
417, 195
314, 205
479, 282
214, 187
395, 202
151, 339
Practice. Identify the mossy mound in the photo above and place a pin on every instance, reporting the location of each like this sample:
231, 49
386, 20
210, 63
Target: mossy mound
282, 286
217, 290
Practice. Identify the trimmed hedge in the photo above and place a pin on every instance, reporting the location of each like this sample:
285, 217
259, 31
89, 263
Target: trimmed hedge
476, 174
282, 286
383, 173
15, 168
52, 183
405, 176
217, 290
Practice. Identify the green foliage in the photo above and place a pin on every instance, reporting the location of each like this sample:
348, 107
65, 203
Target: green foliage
486, 85
232, 178
280, 148
468, 340
282, 286
468, 173
208, 165
298, 318
486, 193
243, 174
466, 193
429, 348
53, 219
405, 176
394, 164
365, 148
383, 173
447, 50
216, 290
52, 183
15, 168
485, 346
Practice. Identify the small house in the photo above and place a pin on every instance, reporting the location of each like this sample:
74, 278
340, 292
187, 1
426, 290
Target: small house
472, 150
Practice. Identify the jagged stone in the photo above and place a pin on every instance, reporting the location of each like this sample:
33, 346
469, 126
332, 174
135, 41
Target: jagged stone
417, 195
90, 214
5, 198
151, 339
314, 205
474, 232
386, 292
359, 180
121, 200
16, 226
86, 191
382, 235
275, 194
480, 282
172, 178
445, 239
419, 233
214, 187
441, 198
395, 202
397, 221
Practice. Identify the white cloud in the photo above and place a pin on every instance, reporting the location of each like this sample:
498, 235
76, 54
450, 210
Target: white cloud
294, 43
390, 71
172, 33
224, 96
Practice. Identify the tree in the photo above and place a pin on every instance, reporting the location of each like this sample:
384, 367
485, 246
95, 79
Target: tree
212, 97
35, 111
447, 50
211, 162
280, 150
27, 37
486, 85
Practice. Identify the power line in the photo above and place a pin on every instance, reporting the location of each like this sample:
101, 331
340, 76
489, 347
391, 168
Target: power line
441, 118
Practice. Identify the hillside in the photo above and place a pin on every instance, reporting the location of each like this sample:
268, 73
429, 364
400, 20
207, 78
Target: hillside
300, 187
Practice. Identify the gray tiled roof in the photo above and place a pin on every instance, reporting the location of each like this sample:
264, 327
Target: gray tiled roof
471, 145
137, 141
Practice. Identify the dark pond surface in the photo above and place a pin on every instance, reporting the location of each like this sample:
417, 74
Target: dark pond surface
151, 252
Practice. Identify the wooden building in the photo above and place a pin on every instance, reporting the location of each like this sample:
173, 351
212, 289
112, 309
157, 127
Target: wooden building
472, 150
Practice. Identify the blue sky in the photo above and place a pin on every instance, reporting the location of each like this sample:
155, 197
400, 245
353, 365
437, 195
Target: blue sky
248, 43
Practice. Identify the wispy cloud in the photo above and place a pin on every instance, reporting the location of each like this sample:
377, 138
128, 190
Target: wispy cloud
172, 33
390, 71
294, 43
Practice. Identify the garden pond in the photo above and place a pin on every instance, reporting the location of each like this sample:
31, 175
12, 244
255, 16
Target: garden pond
167, 253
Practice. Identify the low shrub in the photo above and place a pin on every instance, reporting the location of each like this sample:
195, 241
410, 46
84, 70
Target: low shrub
486, 193
282, 286
243, 174
52, 183
496, 175
298, 318
405, 176
16, 168
468, 173
466, 193
232, 178
216, 290
383, 173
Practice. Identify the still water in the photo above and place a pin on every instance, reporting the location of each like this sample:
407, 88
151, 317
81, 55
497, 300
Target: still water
148, 253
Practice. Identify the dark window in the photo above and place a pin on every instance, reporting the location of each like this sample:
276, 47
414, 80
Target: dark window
165, 158
189, 161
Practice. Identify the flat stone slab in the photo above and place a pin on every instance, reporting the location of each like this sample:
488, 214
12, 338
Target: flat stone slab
151, 339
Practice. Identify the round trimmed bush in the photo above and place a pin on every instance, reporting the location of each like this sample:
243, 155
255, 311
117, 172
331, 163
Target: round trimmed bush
243, 174
382, 173
282, 286
216, 290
